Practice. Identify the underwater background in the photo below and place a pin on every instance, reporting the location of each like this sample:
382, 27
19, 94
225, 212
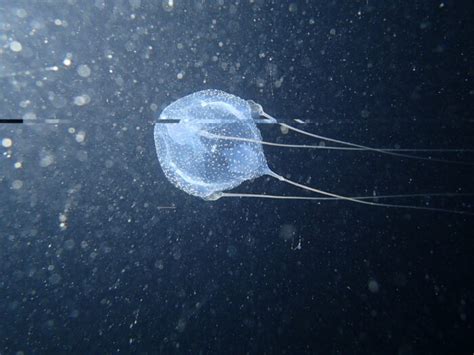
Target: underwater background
100, 254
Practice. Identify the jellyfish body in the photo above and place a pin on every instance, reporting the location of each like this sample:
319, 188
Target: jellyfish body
191, 156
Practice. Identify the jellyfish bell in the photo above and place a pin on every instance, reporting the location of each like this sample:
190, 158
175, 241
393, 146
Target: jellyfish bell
190, 155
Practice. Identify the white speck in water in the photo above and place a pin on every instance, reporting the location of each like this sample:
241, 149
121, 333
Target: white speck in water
84, 70
46, 160
7, 142
17, 184
16, 46
80, 136
168, 5
373, 286
53, 68
69, 244
82, 100
21, 13
29, 116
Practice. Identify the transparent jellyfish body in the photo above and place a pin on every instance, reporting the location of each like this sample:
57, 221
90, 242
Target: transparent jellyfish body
208, 143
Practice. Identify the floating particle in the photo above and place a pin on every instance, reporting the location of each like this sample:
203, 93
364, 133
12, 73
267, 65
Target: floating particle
80, 136
25, 103
84, 70
21, 13
168, 5
16, 46
46, 160
373, 286
82, 100
7, 142
17, 184
69, 244
29, 116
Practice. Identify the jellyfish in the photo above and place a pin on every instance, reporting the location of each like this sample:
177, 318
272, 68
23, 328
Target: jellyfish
208, 143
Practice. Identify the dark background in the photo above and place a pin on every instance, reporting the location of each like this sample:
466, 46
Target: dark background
123, 274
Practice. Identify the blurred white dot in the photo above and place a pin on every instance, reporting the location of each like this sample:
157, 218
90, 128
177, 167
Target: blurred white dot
29, 116
373, 286
67, 62
16, 46
69, 244
21, 13
82, 100
168, 5
53, 68
84, 70
17, 184
18, 165
25, 103
46, 160
80, 136
180, 75
7, 142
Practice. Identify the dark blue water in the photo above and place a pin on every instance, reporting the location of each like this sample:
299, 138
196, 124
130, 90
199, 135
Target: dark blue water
91, 261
